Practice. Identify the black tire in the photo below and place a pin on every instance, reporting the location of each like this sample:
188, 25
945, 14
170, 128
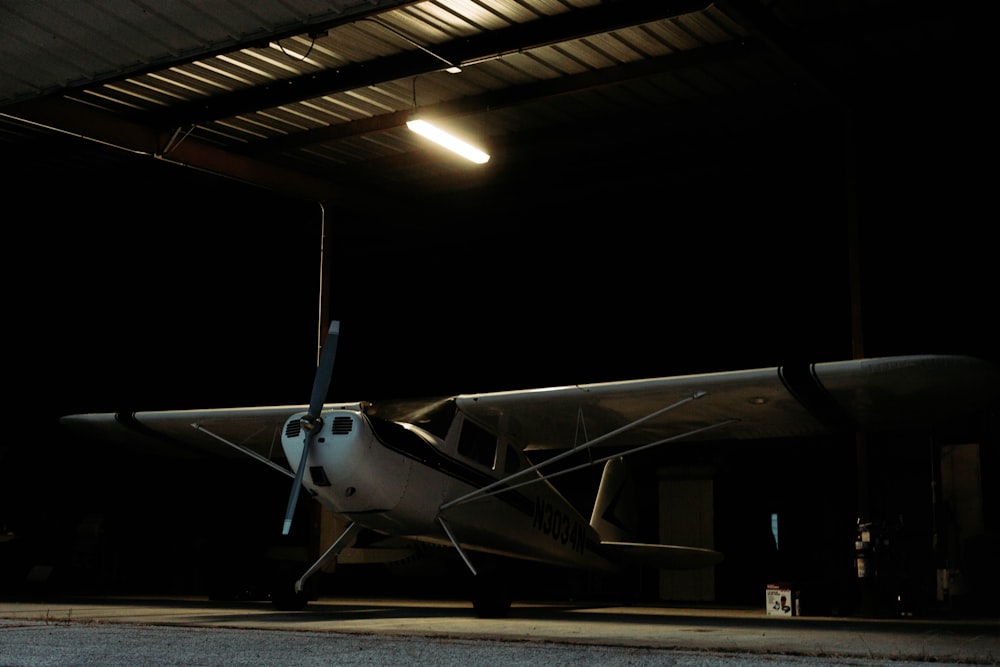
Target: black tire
289, 600
491, 599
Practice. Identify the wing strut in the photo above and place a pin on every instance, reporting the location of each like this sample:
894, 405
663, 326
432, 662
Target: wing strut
502, 485
244, 450
487, 491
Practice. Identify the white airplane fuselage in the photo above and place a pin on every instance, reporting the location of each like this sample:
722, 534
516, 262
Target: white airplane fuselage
394, 478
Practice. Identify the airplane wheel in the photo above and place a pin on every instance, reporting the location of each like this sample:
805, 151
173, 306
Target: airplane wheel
491, 601
290, 600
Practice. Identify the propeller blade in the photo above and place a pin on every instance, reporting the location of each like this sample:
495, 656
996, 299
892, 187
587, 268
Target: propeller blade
313, 420
293, 498
321, 383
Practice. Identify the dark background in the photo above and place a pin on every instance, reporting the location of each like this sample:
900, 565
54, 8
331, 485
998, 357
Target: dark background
146, 286
136, 285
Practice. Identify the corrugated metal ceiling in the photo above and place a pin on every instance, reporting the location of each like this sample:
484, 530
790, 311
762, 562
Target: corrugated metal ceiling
312, 97
50, 45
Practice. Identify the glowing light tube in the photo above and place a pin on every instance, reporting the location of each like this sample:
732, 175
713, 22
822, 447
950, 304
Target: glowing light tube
454, 144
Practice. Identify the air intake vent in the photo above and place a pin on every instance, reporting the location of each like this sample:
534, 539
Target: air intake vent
318, 475
293, 428
342, 425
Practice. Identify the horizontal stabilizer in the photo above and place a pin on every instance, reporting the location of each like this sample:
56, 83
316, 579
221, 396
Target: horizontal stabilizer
370, 555
664, 556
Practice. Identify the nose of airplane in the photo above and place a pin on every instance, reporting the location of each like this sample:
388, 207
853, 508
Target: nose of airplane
347, 469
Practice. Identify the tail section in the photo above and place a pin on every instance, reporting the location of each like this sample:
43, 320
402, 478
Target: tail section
616, 520
616, 516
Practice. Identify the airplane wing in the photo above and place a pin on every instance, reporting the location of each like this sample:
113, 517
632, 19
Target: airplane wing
878, 394
191, 433
818, 399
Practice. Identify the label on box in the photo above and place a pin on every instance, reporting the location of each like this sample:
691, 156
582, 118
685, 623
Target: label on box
778, 600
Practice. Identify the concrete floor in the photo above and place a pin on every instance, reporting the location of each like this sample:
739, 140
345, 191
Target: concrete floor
719, 630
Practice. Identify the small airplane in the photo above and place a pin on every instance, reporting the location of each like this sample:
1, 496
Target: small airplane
456, 471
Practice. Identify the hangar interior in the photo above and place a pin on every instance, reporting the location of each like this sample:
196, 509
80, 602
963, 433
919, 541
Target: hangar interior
673, 187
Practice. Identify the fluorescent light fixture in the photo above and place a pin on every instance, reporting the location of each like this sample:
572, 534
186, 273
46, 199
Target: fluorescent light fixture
454, 144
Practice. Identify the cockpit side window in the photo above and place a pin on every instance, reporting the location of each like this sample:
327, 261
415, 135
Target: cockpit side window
478, 444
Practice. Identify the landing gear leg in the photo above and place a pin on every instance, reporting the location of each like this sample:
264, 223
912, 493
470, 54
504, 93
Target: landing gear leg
295, 598
490, 589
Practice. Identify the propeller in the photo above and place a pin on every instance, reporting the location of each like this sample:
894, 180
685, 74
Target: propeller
312, 422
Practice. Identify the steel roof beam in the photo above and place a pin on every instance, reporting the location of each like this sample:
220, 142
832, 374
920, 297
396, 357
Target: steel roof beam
549, 30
